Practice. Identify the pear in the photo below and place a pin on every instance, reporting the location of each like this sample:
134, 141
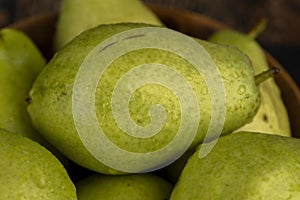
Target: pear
173, 170
126, 187
142, 111
245, 165
29, 171
272, 116
20, 63
76, 16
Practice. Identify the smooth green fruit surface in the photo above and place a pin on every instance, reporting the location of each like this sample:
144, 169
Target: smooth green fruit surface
20, 63
272, 116
125, 187
77, 16
149, 87
246, 166
29, 171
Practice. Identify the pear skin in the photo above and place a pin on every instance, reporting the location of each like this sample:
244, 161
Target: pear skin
245, 165
20, 63
272, 116
52, 97
77, 16
126, 187
30, 171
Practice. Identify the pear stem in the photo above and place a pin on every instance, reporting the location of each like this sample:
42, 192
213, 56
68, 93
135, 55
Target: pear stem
259, 78
258, 28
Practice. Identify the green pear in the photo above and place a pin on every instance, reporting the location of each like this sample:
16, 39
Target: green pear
20, 63
173, 170
29, 171
245, 165
272, 116
148, 105
126, 187
77, 16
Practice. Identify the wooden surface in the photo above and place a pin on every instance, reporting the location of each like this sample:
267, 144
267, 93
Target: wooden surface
281, 38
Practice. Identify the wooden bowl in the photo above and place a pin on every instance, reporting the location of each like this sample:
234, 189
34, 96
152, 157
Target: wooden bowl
41, 29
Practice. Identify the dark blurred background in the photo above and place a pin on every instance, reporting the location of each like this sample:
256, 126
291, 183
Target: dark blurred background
281, 37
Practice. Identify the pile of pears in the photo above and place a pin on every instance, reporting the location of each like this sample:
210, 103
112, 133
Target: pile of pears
129, 109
